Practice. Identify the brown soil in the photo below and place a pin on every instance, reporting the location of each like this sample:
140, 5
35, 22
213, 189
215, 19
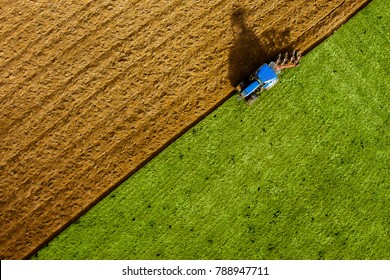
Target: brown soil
91, 90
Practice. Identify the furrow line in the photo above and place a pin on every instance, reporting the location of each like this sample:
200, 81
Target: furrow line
115, 146
77, 43
41, 68
11, 13
309, 10
74, 17
180, 102
34, 18
313, 29
90, 97
107, 56
23, 82
45, 101
53, 164
7, 33
104, 55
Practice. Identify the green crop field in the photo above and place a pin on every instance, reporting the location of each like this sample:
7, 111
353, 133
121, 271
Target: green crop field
303, 173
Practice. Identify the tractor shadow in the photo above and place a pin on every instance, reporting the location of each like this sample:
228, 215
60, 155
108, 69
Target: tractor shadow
249, 51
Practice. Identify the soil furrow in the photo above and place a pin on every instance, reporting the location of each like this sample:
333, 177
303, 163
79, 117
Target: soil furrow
65, 117
7, 15
47, 98
38, 105
117, 147
334, 18
72, 31
39, 153
26, 49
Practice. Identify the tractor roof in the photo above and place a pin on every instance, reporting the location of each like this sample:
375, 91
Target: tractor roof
266, 74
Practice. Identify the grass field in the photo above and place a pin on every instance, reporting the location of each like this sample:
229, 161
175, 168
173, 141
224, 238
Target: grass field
304, 173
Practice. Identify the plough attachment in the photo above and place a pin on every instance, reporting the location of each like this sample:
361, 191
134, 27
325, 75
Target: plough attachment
288, 62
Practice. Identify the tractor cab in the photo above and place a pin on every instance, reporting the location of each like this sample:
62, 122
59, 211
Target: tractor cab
267, 75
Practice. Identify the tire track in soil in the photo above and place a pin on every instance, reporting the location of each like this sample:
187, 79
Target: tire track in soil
123, 152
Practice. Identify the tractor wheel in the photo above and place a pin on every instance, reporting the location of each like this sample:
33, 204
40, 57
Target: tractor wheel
252, 98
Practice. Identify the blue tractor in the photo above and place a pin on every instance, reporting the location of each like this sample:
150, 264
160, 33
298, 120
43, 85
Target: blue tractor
265, 77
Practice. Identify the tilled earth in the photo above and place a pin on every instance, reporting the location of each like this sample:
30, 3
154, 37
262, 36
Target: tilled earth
91, 90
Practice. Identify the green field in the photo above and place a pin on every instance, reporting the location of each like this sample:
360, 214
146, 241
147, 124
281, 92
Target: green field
303, 173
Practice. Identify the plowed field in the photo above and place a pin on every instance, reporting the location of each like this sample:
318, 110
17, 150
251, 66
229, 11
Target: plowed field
91, 90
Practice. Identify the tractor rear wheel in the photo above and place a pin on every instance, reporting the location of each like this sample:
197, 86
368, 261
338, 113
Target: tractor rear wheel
252, 98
